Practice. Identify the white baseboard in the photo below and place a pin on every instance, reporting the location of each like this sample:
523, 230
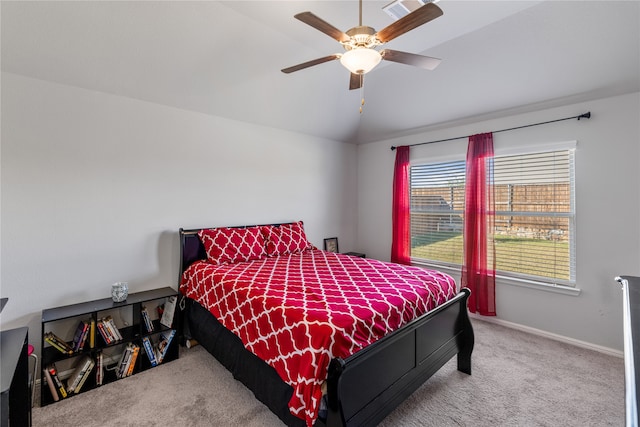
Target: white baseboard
556, 337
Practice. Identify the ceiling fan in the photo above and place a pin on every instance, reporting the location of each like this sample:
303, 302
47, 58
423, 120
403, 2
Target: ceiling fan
360, 43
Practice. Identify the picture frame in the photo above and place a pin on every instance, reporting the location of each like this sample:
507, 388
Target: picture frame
331, 244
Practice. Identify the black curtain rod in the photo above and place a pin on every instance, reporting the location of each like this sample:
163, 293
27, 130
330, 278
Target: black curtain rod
586, 115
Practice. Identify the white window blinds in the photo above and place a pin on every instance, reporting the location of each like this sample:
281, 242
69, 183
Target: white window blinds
437, 205
535, 215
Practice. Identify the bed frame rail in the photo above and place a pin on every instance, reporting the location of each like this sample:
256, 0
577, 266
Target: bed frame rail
366, 387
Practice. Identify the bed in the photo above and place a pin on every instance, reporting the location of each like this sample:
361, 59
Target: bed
383, 335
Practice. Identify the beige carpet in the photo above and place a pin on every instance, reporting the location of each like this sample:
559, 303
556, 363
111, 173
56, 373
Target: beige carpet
518, 380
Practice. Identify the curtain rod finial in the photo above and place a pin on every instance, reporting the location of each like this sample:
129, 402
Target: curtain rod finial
393, 148
586, 115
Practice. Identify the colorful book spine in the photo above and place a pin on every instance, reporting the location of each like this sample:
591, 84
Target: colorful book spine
53, 372
92, 334
113, 329
107, 330
84, 338
125, 361
99, 369
85, 363
148, 323
85, 375
103, 333
134, 358
52, 386
148, 348
80, 336
163, 344
58, 343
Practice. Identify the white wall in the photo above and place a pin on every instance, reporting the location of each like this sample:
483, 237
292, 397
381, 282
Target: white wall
95, 187
607, 206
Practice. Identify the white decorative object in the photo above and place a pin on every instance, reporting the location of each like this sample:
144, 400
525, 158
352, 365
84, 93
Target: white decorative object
119, 291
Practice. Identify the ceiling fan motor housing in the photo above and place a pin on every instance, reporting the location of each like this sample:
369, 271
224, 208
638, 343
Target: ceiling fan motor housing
361, 36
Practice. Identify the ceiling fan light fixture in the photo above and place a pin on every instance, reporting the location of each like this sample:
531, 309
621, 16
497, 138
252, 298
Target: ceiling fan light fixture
360, 60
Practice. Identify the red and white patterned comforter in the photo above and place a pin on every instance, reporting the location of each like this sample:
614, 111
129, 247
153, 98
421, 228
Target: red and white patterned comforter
298, 311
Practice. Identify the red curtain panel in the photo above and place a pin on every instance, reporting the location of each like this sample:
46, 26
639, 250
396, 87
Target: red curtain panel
401, 241
478, 270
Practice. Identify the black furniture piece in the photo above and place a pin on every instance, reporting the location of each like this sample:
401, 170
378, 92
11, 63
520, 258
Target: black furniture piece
16, 396
362, 389
66, 318
631, 309
360, 254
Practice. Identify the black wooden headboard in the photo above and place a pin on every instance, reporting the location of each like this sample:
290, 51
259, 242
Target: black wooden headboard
191, 249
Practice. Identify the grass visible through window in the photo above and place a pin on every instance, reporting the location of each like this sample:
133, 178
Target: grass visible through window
516, 254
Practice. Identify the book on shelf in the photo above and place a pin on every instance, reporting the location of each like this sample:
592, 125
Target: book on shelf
58, 343
85, 375
113, 329
53, 372
83, 368
52, 387
103, 333
85, 336
79, 338
99, 368
92, 334
163, 344
134, 358
124, 360
148, 323
56, 386
108, 330
169, 310
148, 348
128, 360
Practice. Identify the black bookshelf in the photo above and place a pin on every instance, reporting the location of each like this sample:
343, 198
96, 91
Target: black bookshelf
67, 317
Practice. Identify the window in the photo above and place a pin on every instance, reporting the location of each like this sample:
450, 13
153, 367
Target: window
437, 207
535, 216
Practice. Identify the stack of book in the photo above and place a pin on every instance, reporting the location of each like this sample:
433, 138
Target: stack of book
156, 353
99, 369
163, 344
148, 348
80, 337
58, 343
58, 391
148, 323
108, 330
128, 360
80, 374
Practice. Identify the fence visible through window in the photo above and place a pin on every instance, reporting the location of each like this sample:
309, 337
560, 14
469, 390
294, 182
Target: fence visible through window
534, 222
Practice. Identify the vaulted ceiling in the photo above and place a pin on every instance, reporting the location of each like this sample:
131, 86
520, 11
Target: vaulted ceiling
224, 58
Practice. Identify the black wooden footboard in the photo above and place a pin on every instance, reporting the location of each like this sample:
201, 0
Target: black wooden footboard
366, 387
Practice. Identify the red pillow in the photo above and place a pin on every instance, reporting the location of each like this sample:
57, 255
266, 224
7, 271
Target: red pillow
229, 245
285, 239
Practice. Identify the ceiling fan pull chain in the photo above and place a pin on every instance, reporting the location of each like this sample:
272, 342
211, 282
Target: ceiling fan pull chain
361, 92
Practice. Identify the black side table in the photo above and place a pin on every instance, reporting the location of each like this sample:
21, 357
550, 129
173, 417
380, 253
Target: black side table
14, 365
360, 254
